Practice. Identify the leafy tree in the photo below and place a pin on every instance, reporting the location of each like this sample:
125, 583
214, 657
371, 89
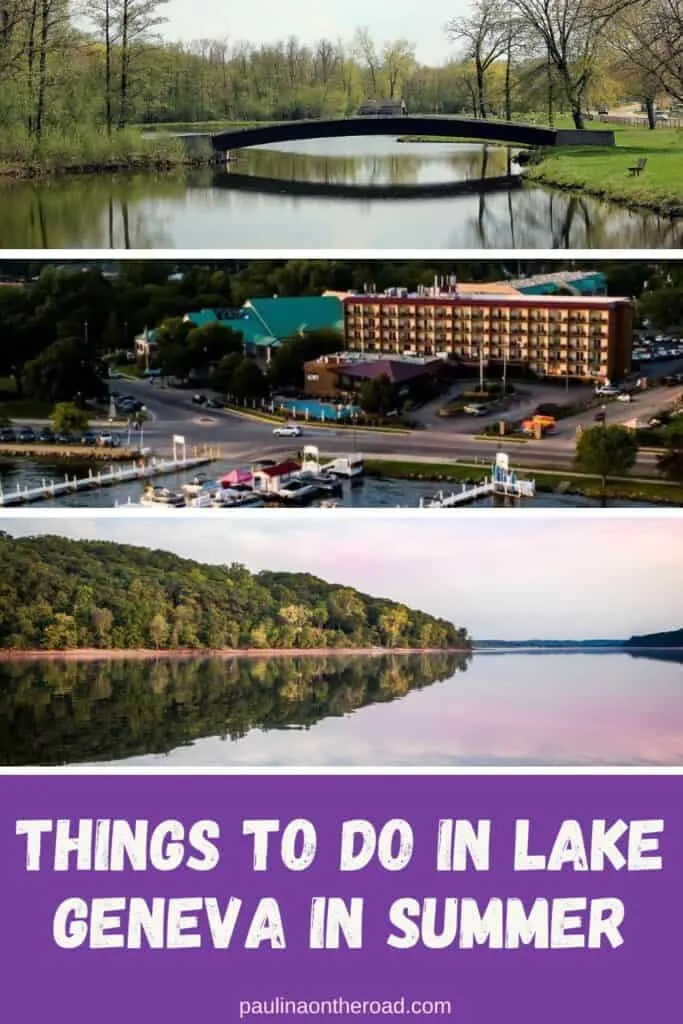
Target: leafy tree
287, 365
65, 371
606, 451
378, 395
670, 462
249, 381
68, 418
223, 373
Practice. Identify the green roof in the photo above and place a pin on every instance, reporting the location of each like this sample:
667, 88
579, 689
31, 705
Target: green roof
286, 316
246, 324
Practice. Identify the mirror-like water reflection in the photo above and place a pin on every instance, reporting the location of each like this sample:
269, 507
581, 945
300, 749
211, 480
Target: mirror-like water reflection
514, 709
250, 205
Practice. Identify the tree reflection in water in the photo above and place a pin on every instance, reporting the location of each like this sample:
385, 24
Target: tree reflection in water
64, 712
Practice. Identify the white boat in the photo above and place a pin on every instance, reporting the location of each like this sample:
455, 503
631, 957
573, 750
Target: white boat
351, 466
297, 490
195, 485
229, 497
326, 483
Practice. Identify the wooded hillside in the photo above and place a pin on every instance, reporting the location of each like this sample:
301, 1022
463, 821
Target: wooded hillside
58, 594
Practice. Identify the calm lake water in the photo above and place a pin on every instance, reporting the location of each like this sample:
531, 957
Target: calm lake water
488, 709
321, 194
371, 493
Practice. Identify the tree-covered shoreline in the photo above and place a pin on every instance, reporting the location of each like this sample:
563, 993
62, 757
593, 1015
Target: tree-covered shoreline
64, 595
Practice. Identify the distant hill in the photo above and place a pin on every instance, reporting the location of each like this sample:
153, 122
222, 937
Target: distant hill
670, 638
544, 644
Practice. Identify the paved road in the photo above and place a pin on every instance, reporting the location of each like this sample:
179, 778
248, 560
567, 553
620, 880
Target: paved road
240, 438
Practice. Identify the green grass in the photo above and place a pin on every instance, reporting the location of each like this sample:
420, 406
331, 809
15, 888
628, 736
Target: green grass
603, 171
84, 150
547, 480
12, 407
199, 126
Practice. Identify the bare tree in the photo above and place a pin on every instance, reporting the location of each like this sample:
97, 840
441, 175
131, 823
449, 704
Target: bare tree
485, 33
571, 32
648, 37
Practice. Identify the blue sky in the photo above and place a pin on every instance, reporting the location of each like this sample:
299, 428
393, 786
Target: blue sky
269, 20
502, 578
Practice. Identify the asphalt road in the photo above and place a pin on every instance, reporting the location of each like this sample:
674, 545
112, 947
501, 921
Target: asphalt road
172, 412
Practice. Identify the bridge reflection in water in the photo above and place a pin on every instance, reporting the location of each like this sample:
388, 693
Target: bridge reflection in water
332, 190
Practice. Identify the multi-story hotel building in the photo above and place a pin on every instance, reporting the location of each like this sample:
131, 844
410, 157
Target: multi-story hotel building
584, 337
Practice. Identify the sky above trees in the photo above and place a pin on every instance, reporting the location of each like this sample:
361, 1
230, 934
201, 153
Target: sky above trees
506, 577
265, 21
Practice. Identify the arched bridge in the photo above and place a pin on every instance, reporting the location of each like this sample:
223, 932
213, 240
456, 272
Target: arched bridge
445, 127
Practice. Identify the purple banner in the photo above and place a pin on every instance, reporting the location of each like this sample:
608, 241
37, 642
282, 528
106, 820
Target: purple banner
473, 899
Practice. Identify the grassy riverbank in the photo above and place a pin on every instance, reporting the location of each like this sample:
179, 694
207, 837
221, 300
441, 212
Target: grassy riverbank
90, 151
602, 171
548, 480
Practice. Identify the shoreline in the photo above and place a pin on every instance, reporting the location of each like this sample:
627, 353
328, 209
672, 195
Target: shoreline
673, 210
180, 654
32, 172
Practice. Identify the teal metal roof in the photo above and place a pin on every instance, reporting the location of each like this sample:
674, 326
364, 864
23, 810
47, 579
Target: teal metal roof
248, 325
287, 316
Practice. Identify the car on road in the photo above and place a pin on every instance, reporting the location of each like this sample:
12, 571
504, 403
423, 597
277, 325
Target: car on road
608, 389
476, 410
199, 399
625, 396
288, 430
600, 417
214, 403
661, 115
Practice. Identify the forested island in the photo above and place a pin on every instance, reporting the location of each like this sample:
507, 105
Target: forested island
669, 638
60, 595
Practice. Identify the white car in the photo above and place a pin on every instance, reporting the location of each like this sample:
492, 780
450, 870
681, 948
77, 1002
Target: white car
625, 397
607, 389
289, 430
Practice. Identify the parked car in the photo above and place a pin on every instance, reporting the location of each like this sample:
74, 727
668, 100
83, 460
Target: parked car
64, 437
607, 389
603, 110
289, 430
107, 440
7, 435
26, 435
600, 417
89, 438
46, 436
661, 115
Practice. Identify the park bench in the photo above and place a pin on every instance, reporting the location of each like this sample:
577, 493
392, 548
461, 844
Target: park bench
640, 166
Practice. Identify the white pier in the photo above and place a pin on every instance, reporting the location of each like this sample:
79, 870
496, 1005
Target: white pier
501, 482
118, 474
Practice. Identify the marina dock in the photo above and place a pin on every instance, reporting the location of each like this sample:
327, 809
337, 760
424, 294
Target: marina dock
502, 482
119, 474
